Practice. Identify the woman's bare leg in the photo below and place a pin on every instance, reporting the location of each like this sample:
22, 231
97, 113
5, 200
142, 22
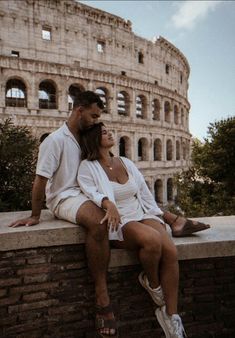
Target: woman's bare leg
147, 241
169, 269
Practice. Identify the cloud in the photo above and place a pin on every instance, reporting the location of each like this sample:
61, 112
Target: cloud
190, 12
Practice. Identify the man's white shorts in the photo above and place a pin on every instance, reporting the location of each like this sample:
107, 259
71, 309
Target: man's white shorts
67, 209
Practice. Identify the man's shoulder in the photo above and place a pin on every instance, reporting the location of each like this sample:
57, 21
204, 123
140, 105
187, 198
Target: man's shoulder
54, 138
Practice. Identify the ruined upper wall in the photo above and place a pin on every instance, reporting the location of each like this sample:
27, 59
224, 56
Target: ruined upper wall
76, 29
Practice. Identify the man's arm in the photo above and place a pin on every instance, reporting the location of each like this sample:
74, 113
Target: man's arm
38, 195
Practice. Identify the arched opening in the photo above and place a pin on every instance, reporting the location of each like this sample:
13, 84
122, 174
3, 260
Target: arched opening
177, 150
47, 95
158, 191
74, 90
184, 150
141, 107
16, 95
123, 103
157, 150
42, 138
170, 190
182, 116
167, 110
125, 147
103, 94
156, 110
169, 150
142, 149
122, 147
176, 115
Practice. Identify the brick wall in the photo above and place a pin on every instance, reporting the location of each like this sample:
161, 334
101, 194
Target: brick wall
48, 293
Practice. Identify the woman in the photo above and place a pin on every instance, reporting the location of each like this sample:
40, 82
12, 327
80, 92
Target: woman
132, 216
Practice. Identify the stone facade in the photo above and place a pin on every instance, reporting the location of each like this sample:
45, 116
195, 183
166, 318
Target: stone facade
50, 49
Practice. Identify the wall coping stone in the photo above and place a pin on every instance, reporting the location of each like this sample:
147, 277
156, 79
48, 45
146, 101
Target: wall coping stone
218, 241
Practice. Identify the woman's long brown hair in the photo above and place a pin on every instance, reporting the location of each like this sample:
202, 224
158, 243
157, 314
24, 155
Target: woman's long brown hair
90, 142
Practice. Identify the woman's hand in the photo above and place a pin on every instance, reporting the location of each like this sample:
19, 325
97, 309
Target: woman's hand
112, 216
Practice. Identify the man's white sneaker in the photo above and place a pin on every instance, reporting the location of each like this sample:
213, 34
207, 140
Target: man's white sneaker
171, 325
156, 294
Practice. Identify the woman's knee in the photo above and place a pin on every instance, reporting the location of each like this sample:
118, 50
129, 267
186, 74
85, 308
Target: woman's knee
170, 253
153, 244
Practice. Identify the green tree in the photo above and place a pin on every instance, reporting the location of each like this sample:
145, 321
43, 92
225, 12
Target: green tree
208, 187
17, 166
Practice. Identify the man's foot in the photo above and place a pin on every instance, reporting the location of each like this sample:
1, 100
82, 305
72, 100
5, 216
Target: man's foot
182, 227
105, 322
171, 325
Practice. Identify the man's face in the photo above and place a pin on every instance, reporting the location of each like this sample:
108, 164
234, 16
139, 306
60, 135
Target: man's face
88, 116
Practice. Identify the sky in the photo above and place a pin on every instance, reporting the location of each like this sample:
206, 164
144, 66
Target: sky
205, 32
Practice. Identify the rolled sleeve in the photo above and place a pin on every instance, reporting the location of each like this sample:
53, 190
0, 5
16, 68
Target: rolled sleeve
48, 158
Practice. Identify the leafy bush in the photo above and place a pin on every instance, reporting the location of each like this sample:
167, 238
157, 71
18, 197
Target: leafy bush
18, 150
208, 187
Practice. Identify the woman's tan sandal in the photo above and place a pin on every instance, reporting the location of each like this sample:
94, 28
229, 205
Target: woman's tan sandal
103, 323
189, 228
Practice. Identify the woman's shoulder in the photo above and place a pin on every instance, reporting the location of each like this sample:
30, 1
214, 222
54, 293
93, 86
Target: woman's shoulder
87, 164
127, 161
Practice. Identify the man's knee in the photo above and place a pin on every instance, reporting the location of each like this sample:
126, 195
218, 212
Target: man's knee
99, 233
89, 215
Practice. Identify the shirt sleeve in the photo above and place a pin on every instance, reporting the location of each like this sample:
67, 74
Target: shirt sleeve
48, 158
89, 184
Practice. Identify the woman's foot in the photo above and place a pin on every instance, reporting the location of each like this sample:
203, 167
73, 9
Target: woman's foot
156, 294
171, 325
182, 227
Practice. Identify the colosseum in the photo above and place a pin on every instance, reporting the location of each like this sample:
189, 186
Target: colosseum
52, 49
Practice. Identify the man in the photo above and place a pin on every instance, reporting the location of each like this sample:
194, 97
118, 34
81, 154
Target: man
56, 175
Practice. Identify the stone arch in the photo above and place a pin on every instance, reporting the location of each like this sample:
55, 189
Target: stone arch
177, 145
73, 91
156, 107
104, 96
170, 190
47, 95
176, 114
167, 111
158, 191
169, 150
157, 150
148, 184
123, 103
141, 107
125, 147
16, 93
143, 149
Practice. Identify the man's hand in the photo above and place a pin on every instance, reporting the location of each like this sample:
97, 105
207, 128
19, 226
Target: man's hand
33, 220
112, 216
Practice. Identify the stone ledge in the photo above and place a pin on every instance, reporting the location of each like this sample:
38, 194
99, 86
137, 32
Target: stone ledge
218, 241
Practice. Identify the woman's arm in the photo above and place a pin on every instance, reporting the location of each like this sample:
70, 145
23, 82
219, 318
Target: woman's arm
91, 187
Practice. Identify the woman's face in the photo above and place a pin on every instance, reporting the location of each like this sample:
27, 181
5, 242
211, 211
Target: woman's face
107, 140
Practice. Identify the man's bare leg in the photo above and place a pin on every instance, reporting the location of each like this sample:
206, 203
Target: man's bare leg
98, 253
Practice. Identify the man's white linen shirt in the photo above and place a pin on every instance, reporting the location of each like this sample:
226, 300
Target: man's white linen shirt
58, 160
